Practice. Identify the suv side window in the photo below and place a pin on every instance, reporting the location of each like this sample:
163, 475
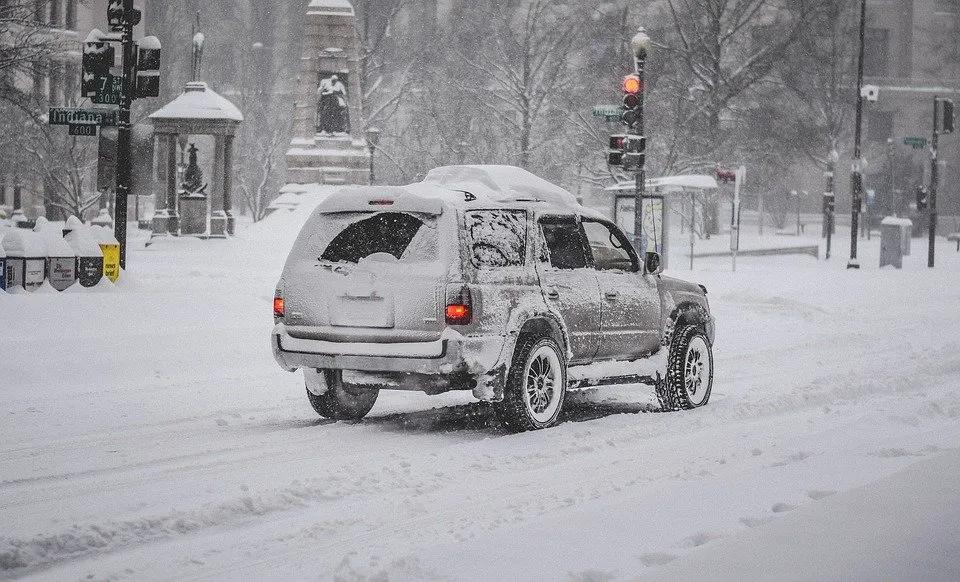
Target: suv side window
565, 244
610, 248
497, 238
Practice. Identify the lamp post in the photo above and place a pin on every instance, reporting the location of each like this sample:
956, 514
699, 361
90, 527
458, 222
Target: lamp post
373, 138
829, 199
856, 190
640, 44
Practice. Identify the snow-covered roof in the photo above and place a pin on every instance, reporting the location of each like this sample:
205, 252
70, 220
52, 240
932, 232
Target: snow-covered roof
198, 101
697, 181
330, 7
499, 184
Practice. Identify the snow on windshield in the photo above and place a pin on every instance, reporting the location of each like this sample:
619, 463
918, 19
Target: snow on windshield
497, 237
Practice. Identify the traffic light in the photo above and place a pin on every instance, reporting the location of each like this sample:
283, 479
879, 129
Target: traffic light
947, 124
116, 17
618, 145
636, 153
148, 68
97, 59
632, 100
829, 203
725, 176
922, 194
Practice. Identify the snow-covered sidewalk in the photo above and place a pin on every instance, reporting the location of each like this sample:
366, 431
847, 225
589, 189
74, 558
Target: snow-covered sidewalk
148, 434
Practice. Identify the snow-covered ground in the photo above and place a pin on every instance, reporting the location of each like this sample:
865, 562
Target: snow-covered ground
148, 434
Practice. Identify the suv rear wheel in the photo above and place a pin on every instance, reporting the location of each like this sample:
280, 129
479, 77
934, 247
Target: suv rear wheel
689, 371
342, 401
536, 385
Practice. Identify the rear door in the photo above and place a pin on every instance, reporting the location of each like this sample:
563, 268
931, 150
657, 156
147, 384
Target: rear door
569, 283
367, 277
630, 301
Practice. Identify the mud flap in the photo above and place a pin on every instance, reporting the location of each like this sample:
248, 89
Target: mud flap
491, 385
316, 382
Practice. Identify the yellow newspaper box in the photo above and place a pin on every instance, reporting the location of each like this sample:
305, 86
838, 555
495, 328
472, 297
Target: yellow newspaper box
111, 252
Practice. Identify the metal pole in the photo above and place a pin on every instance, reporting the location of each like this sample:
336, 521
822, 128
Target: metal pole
829, 202
934, 178
123, 134
856, 190
641, 177
372, 179
693, 223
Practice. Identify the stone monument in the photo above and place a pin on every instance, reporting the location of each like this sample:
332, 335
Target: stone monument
328, 146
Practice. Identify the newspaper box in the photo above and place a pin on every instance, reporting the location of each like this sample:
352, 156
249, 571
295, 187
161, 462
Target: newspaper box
3, 262
89, 255
26, 259
111, 251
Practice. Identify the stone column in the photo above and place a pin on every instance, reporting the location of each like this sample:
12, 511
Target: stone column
228, 183
173, 203
161, 215
218, 218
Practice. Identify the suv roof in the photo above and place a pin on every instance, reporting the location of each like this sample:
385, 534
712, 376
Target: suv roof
462, 187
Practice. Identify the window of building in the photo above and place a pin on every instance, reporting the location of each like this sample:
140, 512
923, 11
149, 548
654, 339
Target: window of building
876, 57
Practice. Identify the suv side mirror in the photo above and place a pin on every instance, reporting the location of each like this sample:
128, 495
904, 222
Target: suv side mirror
654, 264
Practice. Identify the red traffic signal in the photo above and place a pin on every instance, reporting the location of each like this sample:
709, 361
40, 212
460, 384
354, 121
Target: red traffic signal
632, 85
725, 176
618, 142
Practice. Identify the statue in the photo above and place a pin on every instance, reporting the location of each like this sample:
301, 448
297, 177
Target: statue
193, 176
333, 116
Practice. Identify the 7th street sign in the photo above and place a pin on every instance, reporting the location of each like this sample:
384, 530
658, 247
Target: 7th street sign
69, 116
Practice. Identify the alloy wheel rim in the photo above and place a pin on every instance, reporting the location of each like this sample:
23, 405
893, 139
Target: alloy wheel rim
696, 371
541, 384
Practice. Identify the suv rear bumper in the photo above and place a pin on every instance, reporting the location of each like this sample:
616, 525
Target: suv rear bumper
441, 357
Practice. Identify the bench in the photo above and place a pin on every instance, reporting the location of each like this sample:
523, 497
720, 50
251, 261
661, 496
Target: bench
813, 251
955, 237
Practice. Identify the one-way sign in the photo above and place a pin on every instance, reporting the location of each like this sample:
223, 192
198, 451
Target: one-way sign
69, 116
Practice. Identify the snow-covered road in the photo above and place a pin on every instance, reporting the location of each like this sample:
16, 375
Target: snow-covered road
147, 434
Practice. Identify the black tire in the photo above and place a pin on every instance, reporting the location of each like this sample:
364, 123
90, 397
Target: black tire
515, 411
673, 391
342, 401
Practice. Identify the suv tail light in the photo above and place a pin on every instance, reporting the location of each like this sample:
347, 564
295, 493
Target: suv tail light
278, 306
459, 310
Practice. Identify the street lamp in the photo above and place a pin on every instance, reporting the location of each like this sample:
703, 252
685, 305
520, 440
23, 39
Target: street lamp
640, 43
373, 138
857, 176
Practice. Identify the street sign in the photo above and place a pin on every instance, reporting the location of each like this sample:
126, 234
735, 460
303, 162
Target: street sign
69, 116
83, 129
917, 143
608, 112
109, 91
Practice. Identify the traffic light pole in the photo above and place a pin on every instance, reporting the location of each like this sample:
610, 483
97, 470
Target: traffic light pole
641, 175
856, 190
934, 179
123, 134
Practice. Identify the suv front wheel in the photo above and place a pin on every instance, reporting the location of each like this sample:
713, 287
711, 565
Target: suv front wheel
536, 385
689, 371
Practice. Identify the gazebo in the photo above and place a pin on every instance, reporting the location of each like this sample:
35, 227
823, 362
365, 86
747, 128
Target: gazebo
197, 111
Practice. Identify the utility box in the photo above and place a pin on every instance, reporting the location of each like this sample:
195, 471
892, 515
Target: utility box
3, 262
893, 231
111, 252
26, 260
89, 255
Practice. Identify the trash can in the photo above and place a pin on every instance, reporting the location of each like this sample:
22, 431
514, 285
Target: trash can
26, 259
111, 251
61, 258
89, 255
892, 232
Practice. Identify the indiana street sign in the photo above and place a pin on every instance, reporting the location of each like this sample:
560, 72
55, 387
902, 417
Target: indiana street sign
608, 112
109, 92
916, 143
83, 129
69, 116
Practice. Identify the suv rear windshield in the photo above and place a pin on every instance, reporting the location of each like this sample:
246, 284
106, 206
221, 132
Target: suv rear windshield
405, 237
497, 238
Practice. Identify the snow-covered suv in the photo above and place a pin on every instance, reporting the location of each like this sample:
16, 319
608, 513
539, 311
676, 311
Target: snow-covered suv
482, 278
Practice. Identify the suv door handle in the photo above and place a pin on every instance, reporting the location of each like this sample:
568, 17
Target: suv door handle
611, 295
553, 293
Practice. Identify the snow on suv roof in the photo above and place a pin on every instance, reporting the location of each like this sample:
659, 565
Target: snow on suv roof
448, 186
